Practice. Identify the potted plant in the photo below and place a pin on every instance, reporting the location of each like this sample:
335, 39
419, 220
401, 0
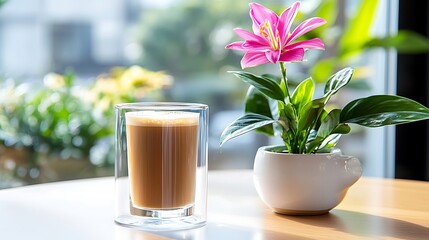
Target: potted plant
307, 175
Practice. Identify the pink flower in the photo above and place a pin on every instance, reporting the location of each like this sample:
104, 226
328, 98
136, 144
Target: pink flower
271, 40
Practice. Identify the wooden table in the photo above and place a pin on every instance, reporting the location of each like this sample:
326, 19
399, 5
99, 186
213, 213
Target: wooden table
83, 209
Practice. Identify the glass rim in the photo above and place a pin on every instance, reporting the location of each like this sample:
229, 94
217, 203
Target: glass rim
161, 106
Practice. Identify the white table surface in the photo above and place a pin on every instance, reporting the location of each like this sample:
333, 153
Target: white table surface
84, 209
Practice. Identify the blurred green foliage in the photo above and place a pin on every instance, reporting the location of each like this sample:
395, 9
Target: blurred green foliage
189, 37
68, 119
346, 41
49, 119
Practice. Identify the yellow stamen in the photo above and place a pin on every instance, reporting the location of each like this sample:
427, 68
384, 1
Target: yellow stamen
262, 31
267, 32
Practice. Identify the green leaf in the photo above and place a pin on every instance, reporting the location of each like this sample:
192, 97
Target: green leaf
330, 126
244, 124
303, 93
310, 113
278, 80
357, 32
329, 142
382, 110
404, 42
287, 115
273, 77
312, 135
313, 144
258, 103
342, 129
322, 117
337, 81
267, 86
278, 149
329, 123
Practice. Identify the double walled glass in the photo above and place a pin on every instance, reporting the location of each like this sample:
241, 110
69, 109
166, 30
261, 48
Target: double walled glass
161, 165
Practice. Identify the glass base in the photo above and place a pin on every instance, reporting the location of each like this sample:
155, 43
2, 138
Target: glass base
162, 213
158, 224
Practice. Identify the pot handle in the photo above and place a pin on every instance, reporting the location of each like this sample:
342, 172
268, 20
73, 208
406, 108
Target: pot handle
352, 169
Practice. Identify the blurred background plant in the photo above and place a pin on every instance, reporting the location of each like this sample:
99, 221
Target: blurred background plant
346, 41
62, 120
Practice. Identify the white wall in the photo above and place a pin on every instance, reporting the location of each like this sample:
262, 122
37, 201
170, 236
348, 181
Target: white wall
25, 49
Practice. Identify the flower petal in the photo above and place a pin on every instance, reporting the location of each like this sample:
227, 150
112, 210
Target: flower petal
273, 56
252, 59
314, 43
246, 35
293, 55
305, 27
236, 46
259, 14
256, 46
285, 21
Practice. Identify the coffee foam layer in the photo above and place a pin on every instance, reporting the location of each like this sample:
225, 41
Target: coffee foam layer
163, 118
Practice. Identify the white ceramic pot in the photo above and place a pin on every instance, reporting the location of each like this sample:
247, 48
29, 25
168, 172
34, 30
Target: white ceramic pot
304, 184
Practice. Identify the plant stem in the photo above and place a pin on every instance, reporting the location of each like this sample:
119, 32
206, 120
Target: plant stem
284, 79
293, 141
